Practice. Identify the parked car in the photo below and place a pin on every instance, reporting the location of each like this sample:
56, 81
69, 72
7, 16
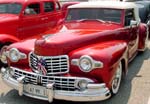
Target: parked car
85, 59
21, 19
27, 19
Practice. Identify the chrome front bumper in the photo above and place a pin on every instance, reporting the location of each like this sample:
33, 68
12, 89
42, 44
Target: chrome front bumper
93, 92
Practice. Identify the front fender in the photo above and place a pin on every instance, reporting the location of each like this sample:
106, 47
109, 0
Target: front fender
25, 47
4, 38
110, 53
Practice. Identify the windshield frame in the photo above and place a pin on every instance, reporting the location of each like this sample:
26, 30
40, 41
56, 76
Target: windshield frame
121, 15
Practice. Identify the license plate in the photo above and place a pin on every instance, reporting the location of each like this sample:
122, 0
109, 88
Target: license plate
35, 90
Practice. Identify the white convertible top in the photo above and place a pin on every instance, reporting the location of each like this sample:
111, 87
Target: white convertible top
104, 4
109, 4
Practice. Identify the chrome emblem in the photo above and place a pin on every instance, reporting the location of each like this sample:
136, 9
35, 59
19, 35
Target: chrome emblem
41, 66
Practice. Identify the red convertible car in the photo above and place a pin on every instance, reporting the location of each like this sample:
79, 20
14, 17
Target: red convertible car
85, 59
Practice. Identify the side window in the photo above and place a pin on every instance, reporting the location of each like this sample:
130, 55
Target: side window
32, 9
129, 15
57, 6
48, 6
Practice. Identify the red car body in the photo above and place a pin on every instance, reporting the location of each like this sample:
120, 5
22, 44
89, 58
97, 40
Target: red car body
17, 25
83, 42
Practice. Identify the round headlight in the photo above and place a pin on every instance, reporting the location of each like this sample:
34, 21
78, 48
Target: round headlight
14, 55
85, 63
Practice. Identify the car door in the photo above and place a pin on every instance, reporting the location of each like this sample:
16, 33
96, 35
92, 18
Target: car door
132, 31
31, 23
59, 12
51, 14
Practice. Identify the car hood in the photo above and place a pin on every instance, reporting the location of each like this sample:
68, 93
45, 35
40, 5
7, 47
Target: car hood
25, 46
92, 25
73, 36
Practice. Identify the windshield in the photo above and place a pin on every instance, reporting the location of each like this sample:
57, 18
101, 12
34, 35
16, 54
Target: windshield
10, 8
111, 15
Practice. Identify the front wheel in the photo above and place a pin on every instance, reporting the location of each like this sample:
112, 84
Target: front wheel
116, 80
2, 57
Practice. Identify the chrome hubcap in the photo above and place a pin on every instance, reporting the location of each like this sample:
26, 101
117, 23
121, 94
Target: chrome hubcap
117, 79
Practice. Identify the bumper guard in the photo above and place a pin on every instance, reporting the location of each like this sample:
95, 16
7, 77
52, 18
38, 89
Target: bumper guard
93, 92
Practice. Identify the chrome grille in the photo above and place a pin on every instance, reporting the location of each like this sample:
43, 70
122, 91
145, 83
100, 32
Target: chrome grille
53, 64
60, 83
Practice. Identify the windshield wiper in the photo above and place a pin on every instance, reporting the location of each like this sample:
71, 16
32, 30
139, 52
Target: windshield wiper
112, 22
109, 21
81, 20
100, 20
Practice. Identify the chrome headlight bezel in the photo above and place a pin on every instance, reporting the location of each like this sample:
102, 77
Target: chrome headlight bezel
86, 63
93, 64
15, 55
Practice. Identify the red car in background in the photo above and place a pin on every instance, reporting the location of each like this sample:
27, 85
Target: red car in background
21, 19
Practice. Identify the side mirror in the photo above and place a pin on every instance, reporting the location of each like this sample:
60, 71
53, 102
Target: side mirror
133, 23
27, 11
